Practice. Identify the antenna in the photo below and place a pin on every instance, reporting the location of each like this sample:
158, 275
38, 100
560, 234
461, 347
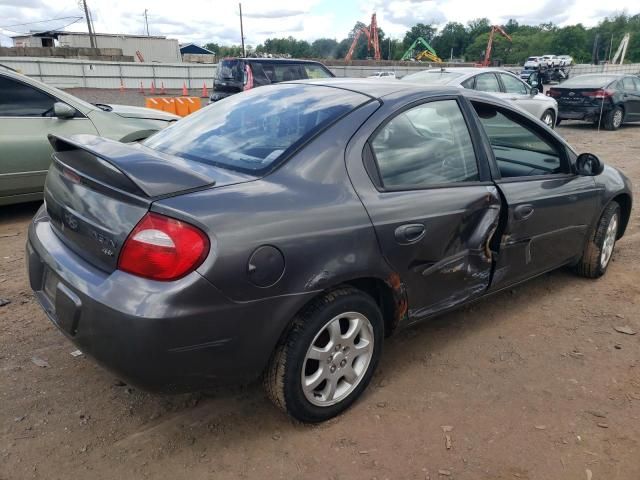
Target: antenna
241, 30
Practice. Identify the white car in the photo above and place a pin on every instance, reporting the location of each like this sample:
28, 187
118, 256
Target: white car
532, 62
551, 60
565, 60
497, 82
383, 75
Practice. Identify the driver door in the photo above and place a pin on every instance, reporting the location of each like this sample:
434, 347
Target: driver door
26, 117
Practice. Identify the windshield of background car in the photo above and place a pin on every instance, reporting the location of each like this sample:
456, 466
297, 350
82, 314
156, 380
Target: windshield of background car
231, 70
588, 81
251, 131
432, 78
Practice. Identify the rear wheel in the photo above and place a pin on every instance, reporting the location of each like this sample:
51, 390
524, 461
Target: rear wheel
549, 118
613, 119
328, 357
599, 250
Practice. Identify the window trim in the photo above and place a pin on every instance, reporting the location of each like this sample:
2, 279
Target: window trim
78, 115
565, 159
371, 162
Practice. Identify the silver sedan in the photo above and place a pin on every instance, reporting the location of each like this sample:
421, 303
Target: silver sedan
497, 82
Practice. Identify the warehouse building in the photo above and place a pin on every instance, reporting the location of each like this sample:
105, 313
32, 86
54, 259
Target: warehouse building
141, 47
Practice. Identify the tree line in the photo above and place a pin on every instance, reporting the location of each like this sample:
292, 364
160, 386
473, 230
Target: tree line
468, 42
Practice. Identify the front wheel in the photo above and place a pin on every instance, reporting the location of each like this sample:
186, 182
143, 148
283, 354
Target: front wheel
328, 357
599, 249
549, 118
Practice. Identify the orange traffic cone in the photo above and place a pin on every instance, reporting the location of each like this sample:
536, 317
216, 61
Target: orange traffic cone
141, 88
121, 86
185, 92
162, 92
205, 93
153, 87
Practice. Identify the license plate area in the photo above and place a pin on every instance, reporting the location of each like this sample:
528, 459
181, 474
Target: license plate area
64, 305
50, 286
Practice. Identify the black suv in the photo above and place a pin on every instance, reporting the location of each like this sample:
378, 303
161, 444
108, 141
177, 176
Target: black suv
237, 74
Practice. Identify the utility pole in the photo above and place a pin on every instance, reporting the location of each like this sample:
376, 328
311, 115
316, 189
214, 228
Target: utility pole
92, 39
241, 30
146, 21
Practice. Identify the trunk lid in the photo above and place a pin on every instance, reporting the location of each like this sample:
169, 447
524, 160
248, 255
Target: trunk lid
97, 190
576, 96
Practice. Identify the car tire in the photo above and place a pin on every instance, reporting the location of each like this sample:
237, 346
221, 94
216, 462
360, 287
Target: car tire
338, 368
613, 119
549, 118
599, 249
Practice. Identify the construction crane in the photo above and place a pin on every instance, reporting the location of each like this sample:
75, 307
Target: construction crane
428, 52
622, 50
487, 54
372, 40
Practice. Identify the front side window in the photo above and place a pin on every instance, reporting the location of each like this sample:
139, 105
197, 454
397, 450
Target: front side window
20, 100
512, 84
487, 82
424, 146
519, 150
628, 85
252, 131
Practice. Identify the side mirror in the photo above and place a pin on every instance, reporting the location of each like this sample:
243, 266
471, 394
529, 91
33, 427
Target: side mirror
589, 165
533, 92
62, 110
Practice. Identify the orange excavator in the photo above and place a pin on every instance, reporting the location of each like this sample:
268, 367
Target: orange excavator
487, 54
372, 40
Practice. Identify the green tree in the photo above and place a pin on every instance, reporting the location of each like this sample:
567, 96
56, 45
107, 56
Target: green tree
324, 48
452, 37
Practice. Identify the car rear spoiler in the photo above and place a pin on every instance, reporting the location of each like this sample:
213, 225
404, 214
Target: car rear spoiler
145, 171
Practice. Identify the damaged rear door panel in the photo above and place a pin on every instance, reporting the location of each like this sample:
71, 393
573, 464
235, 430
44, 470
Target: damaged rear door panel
428, 192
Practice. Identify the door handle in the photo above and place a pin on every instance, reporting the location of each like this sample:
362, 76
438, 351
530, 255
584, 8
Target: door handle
522, 212
410, 233
513, 98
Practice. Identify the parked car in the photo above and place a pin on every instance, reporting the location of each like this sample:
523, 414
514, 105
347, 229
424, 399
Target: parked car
383, 75
565, 60
500, 83
235, 75
605, 99
532, 62
550, 61
30, 109
286, 231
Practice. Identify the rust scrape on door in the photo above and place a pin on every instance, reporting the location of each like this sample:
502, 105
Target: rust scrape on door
399, 299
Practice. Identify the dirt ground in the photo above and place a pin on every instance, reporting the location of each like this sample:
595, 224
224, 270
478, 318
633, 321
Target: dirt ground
533, 383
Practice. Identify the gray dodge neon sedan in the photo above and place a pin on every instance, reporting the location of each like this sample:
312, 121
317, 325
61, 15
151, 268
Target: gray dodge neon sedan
283, 232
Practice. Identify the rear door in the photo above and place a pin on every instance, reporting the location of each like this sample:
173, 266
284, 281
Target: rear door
631, 95
26, 117
428, 194
550, 207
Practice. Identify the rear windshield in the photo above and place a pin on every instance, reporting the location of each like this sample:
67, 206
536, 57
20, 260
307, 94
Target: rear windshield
251, 131
432, 78
589, 81
231, 70
532, 59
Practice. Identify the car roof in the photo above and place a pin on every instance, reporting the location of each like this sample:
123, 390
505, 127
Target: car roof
273, 60
379, 89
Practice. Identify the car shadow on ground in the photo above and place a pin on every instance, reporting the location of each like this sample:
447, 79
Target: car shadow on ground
579, 125
19, 213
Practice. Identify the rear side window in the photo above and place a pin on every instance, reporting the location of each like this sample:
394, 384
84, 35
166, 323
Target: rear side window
424, 146
252, 131
283, 73
487, 82
316, 71
512, 84
20, 100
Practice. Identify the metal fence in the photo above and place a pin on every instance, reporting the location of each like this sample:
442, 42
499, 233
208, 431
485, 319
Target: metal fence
68, 73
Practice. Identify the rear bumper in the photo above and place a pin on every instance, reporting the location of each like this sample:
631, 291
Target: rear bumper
162, 336
587, 113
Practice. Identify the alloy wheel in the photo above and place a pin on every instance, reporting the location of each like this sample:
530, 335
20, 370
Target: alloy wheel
609, 241
337, 359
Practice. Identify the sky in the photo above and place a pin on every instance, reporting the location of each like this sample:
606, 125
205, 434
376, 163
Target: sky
202, 21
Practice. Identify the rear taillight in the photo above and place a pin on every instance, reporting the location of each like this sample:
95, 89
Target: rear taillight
554, 93
163, 248
601, 93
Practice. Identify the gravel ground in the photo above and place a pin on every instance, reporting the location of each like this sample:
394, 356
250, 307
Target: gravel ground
533, 383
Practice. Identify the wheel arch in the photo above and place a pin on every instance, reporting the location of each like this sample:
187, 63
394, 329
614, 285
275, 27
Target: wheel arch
624, 200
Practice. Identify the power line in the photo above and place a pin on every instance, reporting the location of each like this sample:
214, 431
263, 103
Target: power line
77, 19
39, 21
